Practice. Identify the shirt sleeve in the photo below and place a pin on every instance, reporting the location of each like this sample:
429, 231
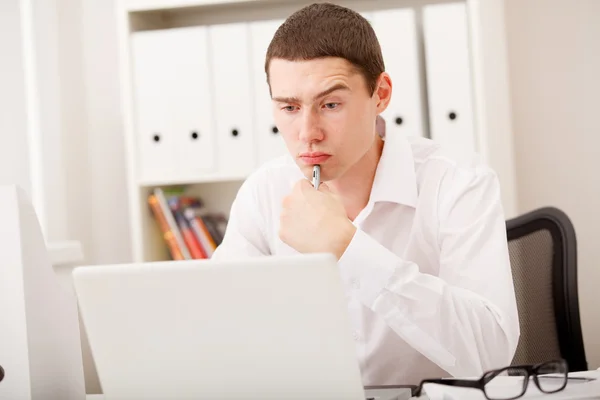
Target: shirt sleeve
244, 235
465, 319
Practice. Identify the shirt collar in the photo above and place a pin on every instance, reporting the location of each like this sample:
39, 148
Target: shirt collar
395, 179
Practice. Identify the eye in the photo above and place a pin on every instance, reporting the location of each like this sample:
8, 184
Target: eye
289, 108
332, 106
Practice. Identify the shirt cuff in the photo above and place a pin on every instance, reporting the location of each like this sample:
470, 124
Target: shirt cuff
366, 267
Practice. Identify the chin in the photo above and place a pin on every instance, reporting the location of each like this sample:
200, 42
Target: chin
305, 169
329, 171
327, 174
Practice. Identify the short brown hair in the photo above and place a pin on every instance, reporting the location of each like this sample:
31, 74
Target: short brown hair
329, 30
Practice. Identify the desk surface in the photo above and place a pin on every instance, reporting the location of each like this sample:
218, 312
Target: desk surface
578, 391
101, 397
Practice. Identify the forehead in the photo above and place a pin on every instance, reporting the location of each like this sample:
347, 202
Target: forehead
306, 77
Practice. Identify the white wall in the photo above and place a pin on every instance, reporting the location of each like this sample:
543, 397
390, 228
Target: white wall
107, 207
93, 144
554, 56
81, 142
14, 153
73, 117
48, 147
60, 128
31, 154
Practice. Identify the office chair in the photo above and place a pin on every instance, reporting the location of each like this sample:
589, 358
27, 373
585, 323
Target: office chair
543, 255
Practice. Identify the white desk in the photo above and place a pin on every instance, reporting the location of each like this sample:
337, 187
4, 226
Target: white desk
590, 391
101, 397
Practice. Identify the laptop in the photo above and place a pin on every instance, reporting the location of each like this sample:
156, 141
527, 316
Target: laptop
274, 327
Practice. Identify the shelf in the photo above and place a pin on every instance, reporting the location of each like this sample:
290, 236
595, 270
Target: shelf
192, 54
182, 182
66, 252
166, 14
156, 5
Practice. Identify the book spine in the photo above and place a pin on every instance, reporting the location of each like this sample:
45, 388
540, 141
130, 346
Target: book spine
200, 231
196, 250
162, 201
163, 225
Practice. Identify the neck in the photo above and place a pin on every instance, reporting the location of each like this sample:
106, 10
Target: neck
354, 187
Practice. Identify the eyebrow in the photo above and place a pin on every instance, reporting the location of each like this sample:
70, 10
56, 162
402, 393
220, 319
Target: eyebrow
334, 88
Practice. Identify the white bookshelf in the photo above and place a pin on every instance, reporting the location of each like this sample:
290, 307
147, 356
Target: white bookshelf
160, 30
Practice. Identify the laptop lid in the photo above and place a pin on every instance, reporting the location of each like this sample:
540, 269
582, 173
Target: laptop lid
272, 327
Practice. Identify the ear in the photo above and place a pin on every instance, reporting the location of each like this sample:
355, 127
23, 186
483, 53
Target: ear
383, 92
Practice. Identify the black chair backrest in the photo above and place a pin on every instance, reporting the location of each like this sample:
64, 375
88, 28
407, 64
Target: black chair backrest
543, 256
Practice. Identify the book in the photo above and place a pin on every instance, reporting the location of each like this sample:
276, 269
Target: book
189, 229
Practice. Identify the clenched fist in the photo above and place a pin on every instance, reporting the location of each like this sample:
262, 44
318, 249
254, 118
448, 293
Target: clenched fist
315, 221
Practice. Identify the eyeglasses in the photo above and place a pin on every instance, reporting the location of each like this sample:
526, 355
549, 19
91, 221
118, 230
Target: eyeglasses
549, 377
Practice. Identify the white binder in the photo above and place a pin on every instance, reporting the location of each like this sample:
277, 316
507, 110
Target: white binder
397, 34
449, 76
155, 140
40, 342
173, 104
269, 142
229, 55
190, 100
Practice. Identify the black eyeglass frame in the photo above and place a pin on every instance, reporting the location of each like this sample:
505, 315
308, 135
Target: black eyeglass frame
529, 371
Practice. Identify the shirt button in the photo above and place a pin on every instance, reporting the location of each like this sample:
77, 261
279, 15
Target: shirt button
355, 283
355, 335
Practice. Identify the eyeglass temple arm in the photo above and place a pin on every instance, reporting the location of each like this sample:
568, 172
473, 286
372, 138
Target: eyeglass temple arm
469, 383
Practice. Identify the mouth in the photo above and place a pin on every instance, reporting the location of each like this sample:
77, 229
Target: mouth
314, 158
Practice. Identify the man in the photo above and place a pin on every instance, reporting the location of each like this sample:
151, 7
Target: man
420, 236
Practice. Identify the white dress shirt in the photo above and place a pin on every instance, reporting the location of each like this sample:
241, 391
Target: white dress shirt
427, 274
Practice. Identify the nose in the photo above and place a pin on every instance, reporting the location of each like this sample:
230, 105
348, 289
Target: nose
310, 129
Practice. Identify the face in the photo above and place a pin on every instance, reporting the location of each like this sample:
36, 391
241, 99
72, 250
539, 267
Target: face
325, 113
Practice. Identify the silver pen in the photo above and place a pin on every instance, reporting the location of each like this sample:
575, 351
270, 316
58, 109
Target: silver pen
316, 176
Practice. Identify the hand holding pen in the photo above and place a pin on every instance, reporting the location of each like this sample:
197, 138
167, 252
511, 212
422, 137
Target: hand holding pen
315, 221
